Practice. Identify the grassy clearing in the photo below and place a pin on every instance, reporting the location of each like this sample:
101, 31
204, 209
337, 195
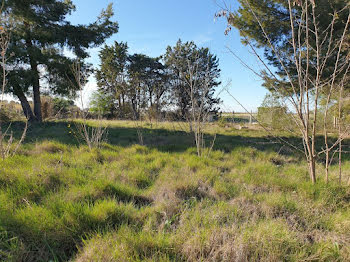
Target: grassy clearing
160, 202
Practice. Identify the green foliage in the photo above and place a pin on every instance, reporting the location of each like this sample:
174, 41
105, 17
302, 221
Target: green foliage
4, 115
39, 34
134, 85
111, 80
102, 104
129, 84
274, 18
178, 59
149, 84
10, 247
62, 106
273, 114
10, 112
58, 107
344, 112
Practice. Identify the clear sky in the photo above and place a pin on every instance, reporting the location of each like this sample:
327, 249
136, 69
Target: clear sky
149, 26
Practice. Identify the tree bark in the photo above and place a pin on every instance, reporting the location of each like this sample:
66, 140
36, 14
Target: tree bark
312, 169
151, 97
36, 91
35, 83
27, 110
134, 109
37, 100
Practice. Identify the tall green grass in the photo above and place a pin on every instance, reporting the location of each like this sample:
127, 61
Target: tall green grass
60, 201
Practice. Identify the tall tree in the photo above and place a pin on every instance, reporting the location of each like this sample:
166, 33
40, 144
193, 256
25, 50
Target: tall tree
112, 75
274, 18
148, 82
141, 84
130, 83
158, 84
180, 60
40, 36
137, 79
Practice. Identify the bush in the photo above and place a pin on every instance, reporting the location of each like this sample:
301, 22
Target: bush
273, 117
58, 108
4, 116
11, 111
273, 114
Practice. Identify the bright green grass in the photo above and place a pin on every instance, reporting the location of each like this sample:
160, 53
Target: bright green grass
161, 202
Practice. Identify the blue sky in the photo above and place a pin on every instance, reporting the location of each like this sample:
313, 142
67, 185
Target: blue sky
149, 26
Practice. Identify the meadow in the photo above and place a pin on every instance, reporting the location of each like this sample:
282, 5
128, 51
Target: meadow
250, 199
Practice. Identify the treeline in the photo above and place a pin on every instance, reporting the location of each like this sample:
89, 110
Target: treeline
134, 85
36, 35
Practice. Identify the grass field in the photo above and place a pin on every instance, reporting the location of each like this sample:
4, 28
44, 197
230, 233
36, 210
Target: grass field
250, 200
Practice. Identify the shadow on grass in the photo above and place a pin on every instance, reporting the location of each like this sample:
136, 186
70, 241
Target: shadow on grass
164, 139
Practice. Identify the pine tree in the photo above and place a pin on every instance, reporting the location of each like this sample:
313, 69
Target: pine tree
148, 83
40, 36
274, 17
130, 82
112, 75
179, 59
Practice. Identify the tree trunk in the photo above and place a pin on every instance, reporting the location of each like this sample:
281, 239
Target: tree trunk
183, 111
123, 111
312, 169
35, 83
36, 91
27, 110
158, 108
151, 98
134, 109
123, 100
36, 98
327, 167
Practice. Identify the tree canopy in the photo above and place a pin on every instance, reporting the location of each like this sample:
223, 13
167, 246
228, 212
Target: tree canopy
274, 18
136, 83
181, 60
41, 35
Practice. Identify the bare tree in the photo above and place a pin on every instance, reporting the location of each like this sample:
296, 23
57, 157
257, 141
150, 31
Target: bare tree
93, 136
4, 44
198, 117
313, 49
8, 146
